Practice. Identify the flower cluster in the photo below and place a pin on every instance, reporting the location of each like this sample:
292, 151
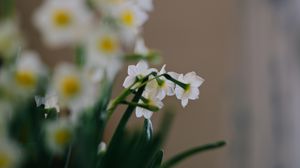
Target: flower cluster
161, 84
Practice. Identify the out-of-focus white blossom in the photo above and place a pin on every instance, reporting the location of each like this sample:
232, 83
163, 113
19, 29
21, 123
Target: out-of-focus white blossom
136, 72
192, 91
28, 71
63, 22
10, 38
152, 100
49, 101
104, 51
59, 134
130, 19
73, 89
161, 87
140, 47
10, 153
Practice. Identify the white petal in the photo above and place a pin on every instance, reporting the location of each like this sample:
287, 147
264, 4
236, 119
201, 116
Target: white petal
148, 114
184, 102
194, 93
161, 94
141, 66
197, 81
139, 112
179, 92
129, 80
163, 70
132, 70
174, 75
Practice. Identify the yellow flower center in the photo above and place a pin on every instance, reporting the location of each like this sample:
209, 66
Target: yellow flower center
4, 160
62, 137
127, 18
107, 45
70, 86
62, 18
26, 79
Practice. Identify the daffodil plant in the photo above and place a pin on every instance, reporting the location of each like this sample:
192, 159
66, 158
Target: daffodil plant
56, 117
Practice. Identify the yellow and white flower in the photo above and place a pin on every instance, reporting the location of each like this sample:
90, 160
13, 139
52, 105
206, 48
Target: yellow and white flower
28, 71
10, 38
104, 52
10, 154
152, 100
59, 135
192, 91
161, 87
63, 22
130, 19
73, 89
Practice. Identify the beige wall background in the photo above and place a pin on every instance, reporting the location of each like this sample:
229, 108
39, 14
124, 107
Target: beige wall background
199, 35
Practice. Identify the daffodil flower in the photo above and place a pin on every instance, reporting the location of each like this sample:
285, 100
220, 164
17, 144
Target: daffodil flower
161, 86
62, 22
59, 134
130, 18
28, 71
191, 92
137, 72
151, 100
10, 154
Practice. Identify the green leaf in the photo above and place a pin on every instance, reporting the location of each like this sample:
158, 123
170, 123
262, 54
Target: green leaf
148, 129
157, 159
119, 133
180, 157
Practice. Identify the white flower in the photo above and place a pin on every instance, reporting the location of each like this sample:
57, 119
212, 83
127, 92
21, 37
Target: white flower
136, 72
140, 47
103, 53
193, 82
49, 101
152, 101
73, 89
10, 154
28, 71
146, 5
63, 22
59, 134
162, 86
130, 18
10, 38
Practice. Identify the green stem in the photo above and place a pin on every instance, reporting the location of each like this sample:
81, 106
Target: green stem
173, 161
121, 126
